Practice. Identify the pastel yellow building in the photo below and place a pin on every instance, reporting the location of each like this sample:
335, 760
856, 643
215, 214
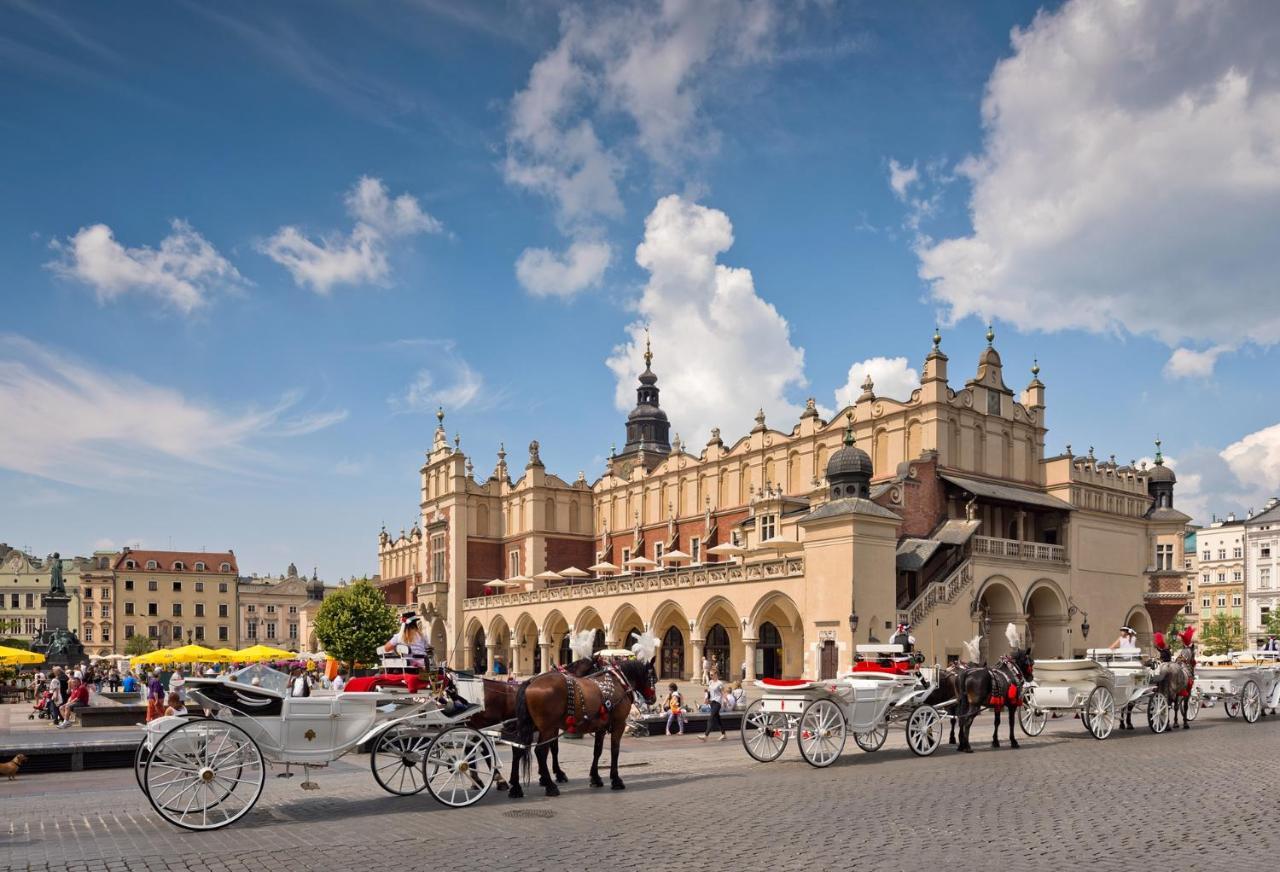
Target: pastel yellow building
776, 552
176, 597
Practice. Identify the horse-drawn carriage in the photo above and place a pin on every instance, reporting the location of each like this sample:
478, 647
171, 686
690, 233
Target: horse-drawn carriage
1100, 688
204, 773
1248, 683
886, 686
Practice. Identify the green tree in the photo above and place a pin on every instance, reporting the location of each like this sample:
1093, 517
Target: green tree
1221, 634
137, 645
354, 622
1176, 626
1272, 626
12, 642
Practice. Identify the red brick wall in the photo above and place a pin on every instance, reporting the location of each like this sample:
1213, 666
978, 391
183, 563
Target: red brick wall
924, 501
563, 553
395, 592
484, 561
684, 530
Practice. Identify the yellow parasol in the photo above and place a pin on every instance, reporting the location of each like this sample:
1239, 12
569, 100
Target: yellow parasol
193, 654
259, 653
162, 657
224, 655
19, 656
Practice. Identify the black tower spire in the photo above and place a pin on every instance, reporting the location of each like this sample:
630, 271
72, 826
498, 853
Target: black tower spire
648, 430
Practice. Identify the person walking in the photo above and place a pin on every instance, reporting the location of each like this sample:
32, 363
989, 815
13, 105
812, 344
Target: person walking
57, 696
675, 708
715, 699
155, 697
113, 680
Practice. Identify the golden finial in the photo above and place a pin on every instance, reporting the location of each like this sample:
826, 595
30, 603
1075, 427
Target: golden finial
648, 352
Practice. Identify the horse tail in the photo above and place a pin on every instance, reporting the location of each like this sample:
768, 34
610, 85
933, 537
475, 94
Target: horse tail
524, 728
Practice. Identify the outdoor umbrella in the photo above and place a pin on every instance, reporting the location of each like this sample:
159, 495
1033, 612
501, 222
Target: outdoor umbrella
675, 556
259, 653
727, 549
780, 545
193, 654
18, 656
548, 575
641, 563
606, 567
574, 572
163, 657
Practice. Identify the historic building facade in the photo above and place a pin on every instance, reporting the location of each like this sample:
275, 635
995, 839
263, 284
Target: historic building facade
24, 580
176, 597
272, 610
1221, 569
776, 552
1262, 570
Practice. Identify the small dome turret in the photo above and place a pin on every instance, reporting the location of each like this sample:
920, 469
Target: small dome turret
849, 469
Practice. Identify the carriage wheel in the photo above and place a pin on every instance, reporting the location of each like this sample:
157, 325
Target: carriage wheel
1033, 719
924, 731
1251, 702
1194, 704
822, 733
396, 760
1231, 707
1101, 708
204, 774
140, 765
873, 739
1158, 713
460, 766
764, 734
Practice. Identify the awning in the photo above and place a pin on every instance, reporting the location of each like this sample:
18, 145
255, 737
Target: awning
913, 554
1008, 493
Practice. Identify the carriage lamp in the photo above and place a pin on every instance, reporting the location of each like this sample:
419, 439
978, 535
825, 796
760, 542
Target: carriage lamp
1084, 628
853, 623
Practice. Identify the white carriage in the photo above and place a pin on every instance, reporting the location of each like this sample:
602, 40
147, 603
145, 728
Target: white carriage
1096, 688
203, 773
1248, 683
885, 687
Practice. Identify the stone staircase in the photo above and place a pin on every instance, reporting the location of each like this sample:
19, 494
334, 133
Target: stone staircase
942, 592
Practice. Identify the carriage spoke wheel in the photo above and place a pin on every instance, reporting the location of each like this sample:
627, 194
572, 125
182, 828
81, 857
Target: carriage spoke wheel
873, 739
1194, 704
1101, 709
1251, 702
459, 766
764, 734
140, 764
1231, 707
1032, 719
204, 774
1158, 713
822, 733
924, 731
397, 758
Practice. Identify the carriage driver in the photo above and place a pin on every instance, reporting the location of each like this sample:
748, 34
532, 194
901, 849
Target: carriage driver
1127, 639
411, 635
902, 636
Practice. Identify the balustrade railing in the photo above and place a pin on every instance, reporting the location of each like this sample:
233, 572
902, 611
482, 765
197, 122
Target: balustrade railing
942, 592
1016, 549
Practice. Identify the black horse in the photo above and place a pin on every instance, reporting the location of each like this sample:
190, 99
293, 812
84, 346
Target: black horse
998, 687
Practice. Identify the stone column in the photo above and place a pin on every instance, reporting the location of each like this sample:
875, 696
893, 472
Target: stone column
492, 649
696, 670
749, 645
513, 659
546, 655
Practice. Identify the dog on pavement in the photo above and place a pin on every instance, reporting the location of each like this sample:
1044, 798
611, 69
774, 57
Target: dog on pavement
10, 769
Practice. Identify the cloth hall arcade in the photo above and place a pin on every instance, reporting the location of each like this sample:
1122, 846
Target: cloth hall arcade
774, 553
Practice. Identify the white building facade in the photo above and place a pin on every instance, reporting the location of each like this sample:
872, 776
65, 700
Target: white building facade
1262, 570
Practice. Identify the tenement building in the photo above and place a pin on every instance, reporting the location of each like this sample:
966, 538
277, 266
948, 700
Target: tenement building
775, 552
176, 597
272, 609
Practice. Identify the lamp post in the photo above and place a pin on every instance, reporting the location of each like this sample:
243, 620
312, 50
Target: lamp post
853, 623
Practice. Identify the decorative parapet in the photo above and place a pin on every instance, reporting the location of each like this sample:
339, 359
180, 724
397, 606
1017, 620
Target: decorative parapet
1015, 549
707, 575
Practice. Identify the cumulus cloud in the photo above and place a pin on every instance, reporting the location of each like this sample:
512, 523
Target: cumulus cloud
635, 72
891, 376
902, 177
360, 257
183, 272
1255, 459
726, 350
1189, 363
88, 427
449, 382
1129, 179
547, 274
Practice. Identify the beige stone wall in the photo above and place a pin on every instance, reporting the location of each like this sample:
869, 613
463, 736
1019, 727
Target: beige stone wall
213, 590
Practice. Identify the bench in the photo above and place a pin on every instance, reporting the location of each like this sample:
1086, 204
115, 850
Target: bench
12, 693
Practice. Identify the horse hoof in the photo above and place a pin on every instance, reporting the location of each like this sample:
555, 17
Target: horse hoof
995, 744
616, 784
596, 782
561, 778
552, 790
516, 792
1014, 745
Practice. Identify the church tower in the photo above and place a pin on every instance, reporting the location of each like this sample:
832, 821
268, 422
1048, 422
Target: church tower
648, 430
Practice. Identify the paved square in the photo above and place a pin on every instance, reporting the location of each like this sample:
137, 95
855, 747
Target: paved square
1199, 799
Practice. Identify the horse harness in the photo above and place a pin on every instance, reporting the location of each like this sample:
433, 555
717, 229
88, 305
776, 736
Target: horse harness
1006, 684
614, 688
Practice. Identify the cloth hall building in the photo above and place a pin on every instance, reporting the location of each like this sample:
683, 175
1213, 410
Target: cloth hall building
773, 554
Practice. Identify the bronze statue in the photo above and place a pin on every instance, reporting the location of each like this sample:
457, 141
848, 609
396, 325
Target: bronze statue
56, 584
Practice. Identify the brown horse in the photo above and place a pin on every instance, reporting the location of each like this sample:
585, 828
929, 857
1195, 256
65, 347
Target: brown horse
553, 702
500, 707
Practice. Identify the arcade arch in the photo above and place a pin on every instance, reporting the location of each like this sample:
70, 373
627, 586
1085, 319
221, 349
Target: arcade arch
998, 605
1046, 610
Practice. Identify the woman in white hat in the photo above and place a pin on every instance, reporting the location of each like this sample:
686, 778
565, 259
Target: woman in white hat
411, 636
1127, 639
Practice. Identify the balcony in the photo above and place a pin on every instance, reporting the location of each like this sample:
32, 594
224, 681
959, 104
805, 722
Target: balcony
1015, 549
702, 575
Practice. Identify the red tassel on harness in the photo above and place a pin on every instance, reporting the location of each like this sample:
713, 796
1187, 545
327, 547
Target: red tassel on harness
569, 722
1013, 696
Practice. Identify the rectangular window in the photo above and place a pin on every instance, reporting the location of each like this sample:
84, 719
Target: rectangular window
437, 557
153, 610
200, 633
128, 631
222, 587
106, 634
151, 585
271, 629
152, 631
222, 634
222, 610
106, 593
271, 610
1264, 578
199, 610
1205, 578
199, 587
252, 608
1236, 576
88, 633
106, 610
177, 632
1204, 603
31, 601
1222, 577
768, 527
177, 587
251, 628
31, 626
695, 550
1235, 600
13, 602
658, 550
177, 610
128, 584
1222, 553
1186, 610
1237, 553
293, 610
1222, 600
293, 631
513, 563
1164, 558
88, 593
1208, 555
626, 558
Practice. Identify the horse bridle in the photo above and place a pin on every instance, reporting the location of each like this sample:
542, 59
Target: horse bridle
636, 696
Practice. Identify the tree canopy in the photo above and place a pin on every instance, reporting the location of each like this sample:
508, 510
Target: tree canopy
354, 622
1221, 634
136, 645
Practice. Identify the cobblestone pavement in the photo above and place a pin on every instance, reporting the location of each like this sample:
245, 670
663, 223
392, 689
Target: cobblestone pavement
1200, 799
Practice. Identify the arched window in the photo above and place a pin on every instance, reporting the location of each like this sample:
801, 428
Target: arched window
130, 564
672, 653
151, 564
717, 650
479, 654
574, 520
482, 520
226, 567
551, 513
179, 566
199, 566
565, 657
769, 652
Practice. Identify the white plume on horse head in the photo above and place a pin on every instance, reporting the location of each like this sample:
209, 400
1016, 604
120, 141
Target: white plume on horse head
973, 649
582, 644
1011, 633
645, 647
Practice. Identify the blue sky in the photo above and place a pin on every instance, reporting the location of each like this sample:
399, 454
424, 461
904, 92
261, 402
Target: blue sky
248, 250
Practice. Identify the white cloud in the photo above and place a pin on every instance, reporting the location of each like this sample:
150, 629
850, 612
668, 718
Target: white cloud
93, 428
637, 71
1189, 363
1255, 459
891, 376
183, 272
450, 382
548, 274
720, 350
902, 177
360, 257
1130, 176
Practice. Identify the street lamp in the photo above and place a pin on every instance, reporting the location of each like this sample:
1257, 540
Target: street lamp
1084, 628
853, 623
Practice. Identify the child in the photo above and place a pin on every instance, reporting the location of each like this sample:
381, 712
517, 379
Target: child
675, 708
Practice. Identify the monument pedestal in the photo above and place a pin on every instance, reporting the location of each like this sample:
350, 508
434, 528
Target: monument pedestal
59, 645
